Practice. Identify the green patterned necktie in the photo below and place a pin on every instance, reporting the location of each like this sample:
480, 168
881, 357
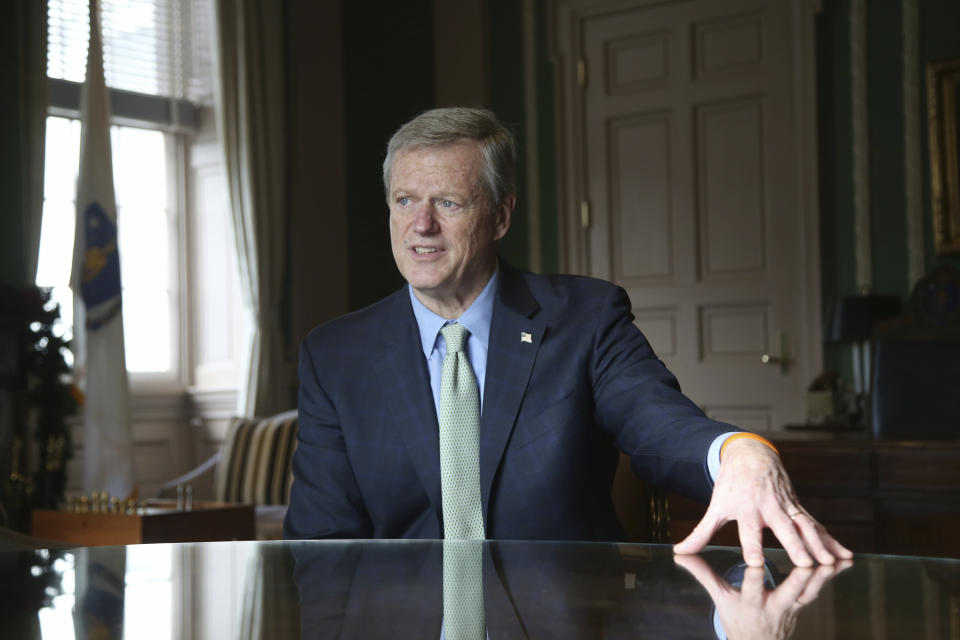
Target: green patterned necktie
459, 441
463, 616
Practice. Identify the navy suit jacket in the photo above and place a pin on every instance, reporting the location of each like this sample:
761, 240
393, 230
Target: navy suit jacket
556, 410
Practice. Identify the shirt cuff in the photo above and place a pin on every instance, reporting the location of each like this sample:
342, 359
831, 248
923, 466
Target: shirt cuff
713, 454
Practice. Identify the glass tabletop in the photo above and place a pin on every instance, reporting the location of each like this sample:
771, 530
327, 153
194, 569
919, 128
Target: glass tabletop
420, 589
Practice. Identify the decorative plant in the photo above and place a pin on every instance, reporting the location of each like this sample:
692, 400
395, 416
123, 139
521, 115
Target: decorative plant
37, 396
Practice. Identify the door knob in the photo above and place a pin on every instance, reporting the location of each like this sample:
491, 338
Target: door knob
784, 360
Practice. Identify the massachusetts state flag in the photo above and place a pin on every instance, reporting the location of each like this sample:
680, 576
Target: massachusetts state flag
98, 323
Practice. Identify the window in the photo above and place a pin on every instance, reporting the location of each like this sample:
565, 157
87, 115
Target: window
157, 66
148, 230
150, 47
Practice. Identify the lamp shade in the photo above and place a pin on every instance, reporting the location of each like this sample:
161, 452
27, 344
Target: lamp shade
851, 318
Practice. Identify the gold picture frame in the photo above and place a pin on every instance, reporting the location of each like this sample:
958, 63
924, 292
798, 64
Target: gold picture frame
943, 87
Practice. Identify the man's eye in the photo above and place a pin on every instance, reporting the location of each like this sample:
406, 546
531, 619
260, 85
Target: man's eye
404, 201
448, 204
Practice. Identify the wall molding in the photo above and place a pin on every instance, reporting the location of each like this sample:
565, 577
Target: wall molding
153, 407
912, 142
861, 145
808, 184
212, 404
531, 118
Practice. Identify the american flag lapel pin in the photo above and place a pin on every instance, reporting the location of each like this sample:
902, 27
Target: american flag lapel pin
526, 337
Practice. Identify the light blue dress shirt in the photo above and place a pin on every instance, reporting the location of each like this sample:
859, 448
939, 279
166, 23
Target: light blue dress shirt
477, 320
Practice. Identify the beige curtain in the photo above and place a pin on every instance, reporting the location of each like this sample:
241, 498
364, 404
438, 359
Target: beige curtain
32, 18
250, 107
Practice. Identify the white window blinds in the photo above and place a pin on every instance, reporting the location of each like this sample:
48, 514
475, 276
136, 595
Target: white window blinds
152, 47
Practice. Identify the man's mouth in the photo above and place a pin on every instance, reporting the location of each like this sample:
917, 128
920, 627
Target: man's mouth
423, 250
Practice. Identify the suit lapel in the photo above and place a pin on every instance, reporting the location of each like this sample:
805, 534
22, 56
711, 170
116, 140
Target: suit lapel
515, 337
405, 381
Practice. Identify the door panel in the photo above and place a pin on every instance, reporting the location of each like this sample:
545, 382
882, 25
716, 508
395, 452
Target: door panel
640, 208
729, 158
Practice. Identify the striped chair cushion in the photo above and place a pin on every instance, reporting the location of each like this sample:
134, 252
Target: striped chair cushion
255, 463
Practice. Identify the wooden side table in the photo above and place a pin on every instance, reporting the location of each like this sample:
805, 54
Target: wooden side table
160, 522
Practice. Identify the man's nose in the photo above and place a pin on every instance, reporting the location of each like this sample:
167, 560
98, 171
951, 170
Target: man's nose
425, 220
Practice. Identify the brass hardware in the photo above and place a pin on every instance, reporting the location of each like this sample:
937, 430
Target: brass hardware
659, 516
784, 359
55, 449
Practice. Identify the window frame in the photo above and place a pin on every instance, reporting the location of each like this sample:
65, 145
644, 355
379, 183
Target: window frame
177, 119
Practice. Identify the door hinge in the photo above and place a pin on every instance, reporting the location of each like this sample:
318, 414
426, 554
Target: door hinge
582, 72
585, 214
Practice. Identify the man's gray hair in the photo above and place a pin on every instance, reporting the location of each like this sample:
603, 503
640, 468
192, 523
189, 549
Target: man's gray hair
441, 127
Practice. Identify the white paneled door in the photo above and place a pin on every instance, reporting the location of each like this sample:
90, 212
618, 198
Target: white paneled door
692, 174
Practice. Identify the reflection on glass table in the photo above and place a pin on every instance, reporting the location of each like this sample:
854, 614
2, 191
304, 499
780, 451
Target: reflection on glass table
391, 589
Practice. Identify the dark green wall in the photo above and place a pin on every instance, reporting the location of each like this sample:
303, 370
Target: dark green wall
505, 44
508, 87
11, 222
547, 153
939, 40
834, 143
888, 196
387, 80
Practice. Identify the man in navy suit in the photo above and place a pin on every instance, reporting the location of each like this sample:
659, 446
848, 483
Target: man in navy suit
565, 381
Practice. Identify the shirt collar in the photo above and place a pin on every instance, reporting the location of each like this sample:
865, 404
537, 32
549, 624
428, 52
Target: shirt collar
476, 318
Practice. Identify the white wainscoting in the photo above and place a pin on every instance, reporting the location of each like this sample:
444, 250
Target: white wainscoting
172, 433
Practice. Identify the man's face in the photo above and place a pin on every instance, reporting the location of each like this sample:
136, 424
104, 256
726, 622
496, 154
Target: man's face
443, 228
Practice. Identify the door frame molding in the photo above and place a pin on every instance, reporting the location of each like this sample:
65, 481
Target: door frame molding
566, 48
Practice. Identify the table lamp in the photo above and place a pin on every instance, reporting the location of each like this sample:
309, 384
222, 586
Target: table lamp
850, 320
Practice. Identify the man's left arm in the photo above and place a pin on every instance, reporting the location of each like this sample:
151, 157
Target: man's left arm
753, 488
670, 443
638, 403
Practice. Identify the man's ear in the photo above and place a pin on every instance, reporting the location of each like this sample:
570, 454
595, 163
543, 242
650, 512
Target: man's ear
504, 216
